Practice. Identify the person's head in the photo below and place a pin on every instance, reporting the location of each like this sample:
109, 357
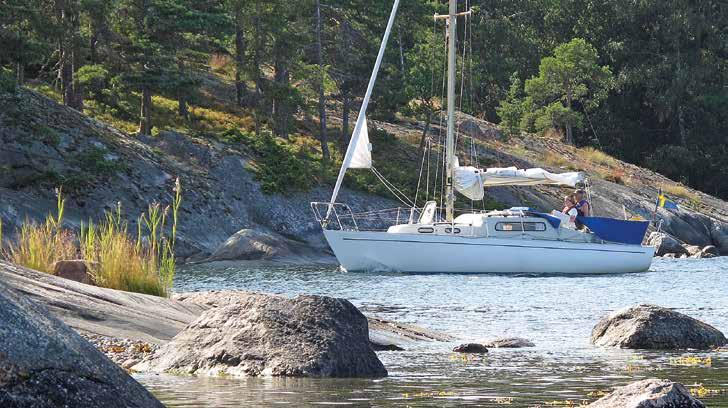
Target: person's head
580, 195
569, 200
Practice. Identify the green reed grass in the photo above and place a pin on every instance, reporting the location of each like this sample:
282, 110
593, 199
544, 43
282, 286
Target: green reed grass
116, 260
40, 245
145, 264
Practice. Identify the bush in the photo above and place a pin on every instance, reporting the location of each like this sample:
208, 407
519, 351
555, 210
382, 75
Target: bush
7, 81
281, 168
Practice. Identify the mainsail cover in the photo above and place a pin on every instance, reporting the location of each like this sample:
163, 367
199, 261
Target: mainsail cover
470, 181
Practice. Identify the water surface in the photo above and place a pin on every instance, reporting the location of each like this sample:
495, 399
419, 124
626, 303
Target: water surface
555, 312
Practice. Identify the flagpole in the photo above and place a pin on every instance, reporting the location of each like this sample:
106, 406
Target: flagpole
657, 205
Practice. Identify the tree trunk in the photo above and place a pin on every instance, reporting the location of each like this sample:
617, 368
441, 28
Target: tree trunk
182, 109
569, 131
681, 126
280, 103
424, 131
19, 74
345, 85
401, 53
76, 59
256, 66
145, 115
346, 102
322, 97
239, 59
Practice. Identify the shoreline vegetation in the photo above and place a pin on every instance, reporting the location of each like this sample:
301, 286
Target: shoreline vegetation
111, 256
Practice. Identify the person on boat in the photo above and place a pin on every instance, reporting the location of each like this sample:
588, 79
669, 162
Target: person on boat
569, 204
568, 213
581, 205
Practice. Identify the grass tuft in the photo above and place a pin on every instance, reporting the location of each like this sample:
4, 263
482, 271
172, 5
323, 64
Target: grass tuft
115, 259
594, 156
679, 190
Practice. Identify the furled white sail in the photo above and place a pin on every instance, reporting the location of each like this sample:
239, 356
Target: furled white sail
361, 158
470, 181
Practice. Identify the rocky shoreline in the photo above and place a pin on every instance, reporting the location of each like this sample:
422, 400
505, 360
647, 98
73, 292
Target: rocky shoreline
235, 333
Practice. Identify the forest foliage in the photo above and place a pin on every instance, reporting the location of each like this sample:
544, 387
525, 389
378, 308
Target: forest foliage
645, 81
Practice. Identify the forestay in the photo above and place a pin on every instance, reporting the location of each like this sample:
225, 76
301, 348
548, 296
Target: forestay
470, 181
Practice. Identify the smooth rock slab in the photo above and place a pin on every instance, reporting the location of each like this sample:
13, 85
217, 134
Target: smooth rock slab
649, 393
655, 327
44, 363
509, 342
253, 334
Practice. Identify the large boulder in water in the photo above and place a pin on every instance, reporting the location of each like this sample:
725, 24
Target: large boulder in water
249, 244
654, 327
665, 244
649, 393
251, 334
44, 363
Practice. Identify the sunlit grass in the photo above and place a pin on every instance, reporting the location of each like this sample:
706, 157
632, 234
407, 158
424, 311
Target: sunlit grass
115, 259
145, 264
598, 157
555, 159
39, 246
678, 190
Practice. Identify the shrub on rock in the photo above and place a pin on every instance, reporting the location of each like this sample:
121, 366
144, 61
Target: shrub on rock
655, 327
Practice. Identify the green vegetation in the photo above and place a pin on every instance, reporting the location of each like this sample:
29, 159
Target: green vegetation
644, 80
116, 260
39, 246
571, 77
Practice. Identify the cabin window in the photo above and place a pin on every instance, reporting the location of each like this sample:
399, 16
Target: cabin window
449, 230
520, 226
425, 230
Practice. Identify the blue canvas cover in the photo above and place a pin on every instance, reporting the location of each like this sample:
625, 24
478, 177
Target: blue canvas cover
614, 230
555, 222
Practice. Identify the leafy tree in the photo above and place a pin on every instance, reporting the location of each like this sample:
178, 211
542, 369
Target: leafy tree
574, 78
512, 108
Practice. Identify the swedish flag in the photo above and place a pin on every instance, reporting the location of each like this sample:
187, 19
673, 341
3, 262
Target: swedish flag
663, 202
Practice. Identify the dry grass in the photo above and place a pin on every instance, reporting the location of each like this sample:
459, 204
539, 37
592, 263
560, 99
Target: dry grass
679, 190
39, 246
594, 156
555, 159
144, 264
617, 176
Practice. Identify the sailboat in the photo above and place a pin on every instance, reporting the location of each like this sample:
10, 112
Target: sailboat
516, 240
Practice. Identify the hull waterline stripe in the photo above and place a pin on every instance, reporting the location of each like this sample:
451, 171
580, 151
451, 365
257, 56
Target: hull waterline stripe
494, 245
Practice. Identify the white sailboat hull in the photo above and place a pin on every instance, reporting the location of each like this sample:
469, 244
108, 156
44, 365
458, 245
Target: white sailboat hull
359, 251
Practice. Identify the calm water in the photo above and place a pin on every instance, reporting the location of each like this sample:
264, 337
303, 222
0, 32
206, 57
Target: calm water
556, 313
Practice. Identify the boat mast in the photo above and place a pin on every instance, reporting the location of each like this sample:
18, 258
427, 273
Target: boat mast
450, 144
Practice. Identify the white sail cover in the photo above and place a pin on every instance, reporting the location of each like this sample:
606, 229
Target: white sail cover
361, 158
470, 181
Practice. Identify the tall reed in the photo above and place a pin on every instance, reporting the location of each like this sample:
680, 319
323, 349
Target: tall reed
145, 264
115, 259
39, 246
